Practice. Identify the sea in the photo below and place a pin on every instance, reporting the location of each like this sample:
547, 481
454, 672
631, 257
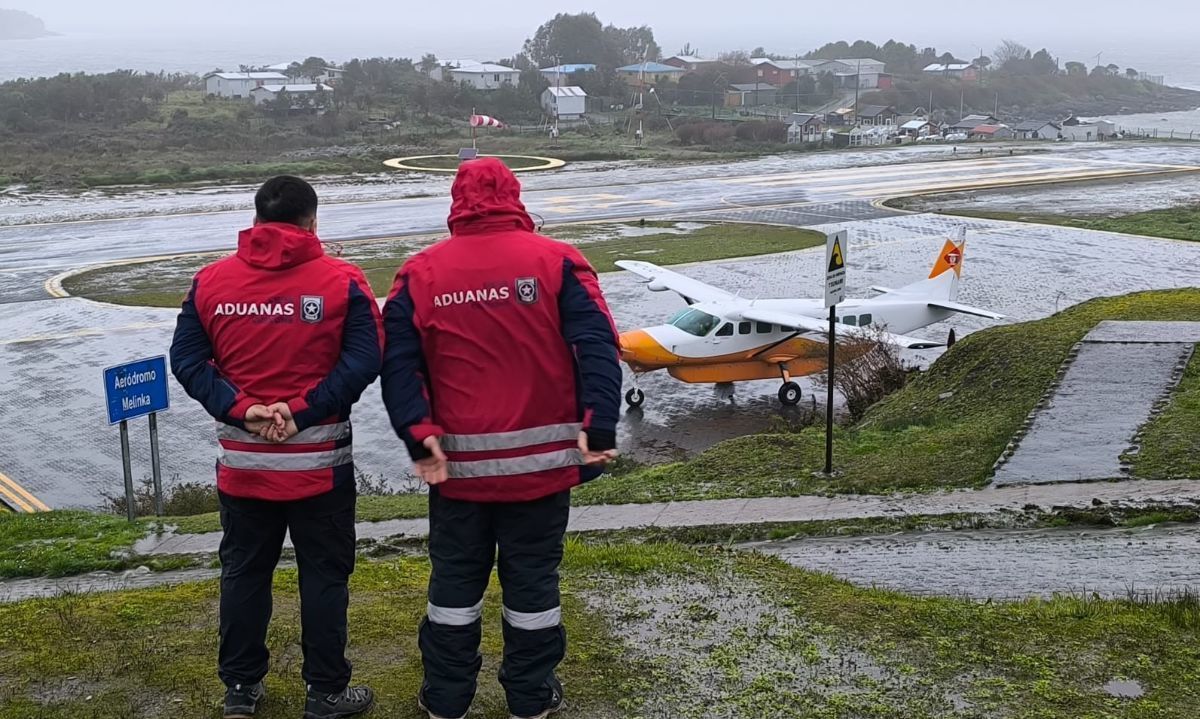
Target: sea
201, 52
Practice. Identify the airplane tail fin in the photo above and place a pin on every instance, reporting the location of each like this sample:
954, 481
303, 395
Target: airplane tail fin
942, 283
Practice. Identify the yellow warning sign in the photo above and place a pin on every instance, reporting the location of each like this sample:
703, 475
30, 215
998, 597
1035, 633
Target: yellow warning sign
836, 261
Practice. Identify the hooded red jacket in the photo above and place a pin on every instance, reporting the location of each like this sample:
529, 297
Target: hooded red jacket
498, 341
279, 321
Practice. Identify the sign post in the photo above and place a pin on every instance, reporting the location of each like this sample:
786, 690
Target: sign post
835, 292
133, 390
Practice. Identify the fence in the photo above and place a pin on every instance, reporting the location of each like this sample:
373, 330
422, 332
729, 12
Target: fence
1159, 133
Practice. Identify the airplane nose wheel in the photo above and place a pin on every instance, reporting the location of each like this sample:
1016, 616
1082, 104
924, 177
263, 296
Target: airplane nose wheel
635, 397
789, 394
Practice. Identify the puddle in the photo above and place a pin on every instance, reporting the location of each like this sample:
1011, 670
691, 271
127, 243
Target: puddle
1125, 689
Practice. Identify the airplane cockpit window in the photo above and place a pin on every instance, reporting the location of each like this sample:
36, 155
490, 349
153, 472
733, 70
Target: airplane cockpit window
726, 330
694, 322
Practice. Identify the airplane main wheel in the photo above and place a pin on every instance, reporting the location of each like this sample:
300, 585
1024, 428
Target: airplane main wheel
789, 394
635, 397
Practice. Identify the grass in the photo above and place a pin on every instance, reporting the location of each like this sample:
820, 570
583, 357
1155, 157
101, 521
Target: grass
655, 630
163, 283
912, 440
1170, 446
65, 543
369, 509
1176, 223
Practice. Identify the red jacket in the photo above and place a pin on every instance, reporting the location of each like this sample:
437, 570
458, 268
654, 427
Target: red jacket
279, 321
498, 341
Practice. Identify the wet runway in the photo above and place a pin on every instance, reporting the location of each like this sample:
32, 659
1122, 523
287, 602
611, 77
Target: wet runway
52, 351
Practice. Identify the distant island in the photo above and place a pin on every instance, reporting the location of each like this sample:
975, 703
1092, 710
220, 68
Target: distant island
20, 25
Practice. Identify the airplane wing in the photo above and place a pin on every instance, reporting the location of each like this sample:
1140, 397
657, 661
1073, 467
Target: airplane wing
812, 325
660, 280
965, 309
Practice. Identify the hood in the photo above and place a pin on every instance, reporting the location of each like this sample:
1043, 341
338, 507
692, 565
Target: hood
277, 246
486, 195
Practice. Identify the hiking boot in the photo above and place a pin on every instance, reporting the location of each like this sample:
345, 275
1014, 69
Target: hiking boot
422, 707
242, 700
349, 702
558, 702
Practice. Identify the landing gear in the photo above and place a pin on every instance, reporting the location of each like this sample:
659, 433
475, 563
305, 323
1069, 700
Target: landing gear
635, 397
789, 393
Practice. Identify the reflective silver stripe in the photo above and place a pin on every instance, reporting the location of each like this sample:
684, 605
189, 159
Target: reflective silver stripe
529, 621
453, 616
286, 461
515, 465
515, 439
312, 435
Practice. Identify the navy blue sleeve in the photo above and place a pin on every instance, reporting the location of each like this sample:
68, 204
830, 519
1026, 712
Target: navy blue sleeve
356, 368
588, 329
192, 364
405, 393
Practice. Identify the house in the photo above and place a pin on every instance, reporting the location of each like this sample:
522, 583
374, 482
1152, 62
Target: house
1038, 130
1081, 130
805, 127
841, 116
970, 122
302, 96
991, 132
565, 103
689, 63
750, 94
481, 75
237, 85
964, 71
779, 72
919, 127
563, 72
328, 75
877, 115
650, 73
861, 72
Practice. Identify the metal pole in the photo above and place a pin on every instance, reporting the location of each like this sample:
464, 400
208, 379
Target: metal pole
130, 510
155, 467
829, 393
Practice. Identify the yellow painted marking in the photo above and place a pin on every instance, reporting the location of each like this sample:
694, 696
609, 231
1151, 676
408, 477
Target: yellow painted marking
991, 181
87, 332
20, 497
878, 172
582, 198
634, 203
1125, 163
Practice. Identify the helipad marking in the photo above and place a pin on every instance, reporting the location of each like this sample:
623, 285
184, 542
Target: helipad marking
992, 181
19, 497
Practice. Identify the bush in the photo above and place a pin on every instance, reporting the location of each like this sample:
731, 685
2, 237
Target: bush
180, 499
868, 369
762, 131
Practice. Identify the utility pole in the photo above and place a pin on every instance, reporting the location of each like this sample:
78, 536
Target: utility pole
857, 82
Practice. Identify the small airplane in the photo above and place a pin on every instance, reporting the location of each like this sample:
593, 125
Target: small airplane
721, 338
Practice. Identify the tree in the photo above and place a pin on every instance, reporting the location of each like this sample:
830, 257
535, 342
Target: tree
429, 63
1008, 52
735, 57
568, 38
759, 51
312, 68
1076, 68
628, 45
687, 50
1043, 63
1113, 69
1132, 74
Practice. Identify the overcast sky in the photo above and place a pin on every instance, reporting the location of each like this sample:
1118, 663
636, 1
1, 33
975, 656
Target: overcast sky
498, 28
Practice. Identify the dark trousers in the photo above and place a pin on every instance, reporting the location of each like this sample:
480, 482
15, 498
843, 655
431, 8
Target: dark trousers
322, 532
463, 538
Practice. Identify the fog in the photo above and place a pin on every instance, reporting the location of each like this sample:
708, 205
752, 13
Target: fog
492, 30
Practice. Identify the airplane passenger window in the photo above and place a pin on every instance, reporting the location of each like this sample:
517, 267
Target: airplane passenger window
726, 330
850, 320
744, 328
763, 328
864, 320
694, 322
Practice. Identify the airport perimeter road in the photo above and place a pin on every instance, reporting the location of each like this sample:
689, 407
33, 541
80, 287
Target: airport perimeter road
33, 252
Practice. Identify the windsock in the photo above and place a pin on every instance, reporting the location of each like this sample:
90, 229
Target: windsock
485, 121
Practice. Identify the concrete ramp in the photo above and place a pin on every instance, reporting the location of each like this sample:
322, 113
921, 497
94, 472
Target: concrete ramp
1117, 377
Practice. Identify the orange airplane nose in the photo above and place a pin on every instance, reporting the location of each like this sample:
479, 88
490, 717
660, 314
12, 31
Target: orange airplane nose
640, 350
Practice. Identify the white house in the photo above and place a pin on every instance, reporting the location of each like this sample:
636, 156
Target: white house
1080, 130
1038, 130
565, 103
270, 93
866, 70
239, 84
481, 75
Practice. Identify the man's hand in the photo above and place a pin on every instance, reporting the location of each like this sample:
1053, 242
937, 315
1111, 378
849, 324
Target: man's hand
595, 459
282, 426
258, 418
432, 470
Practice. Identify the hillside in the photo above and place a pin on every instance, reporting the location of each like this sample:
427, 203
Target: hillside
20, 25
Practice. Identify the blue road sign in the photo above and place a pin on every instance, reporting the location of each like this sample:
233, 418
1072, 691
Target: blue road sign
136, 388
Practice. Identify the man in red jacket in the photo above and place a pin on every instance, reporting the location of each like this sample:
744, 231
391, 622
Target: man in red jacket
501, 376
278, 341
